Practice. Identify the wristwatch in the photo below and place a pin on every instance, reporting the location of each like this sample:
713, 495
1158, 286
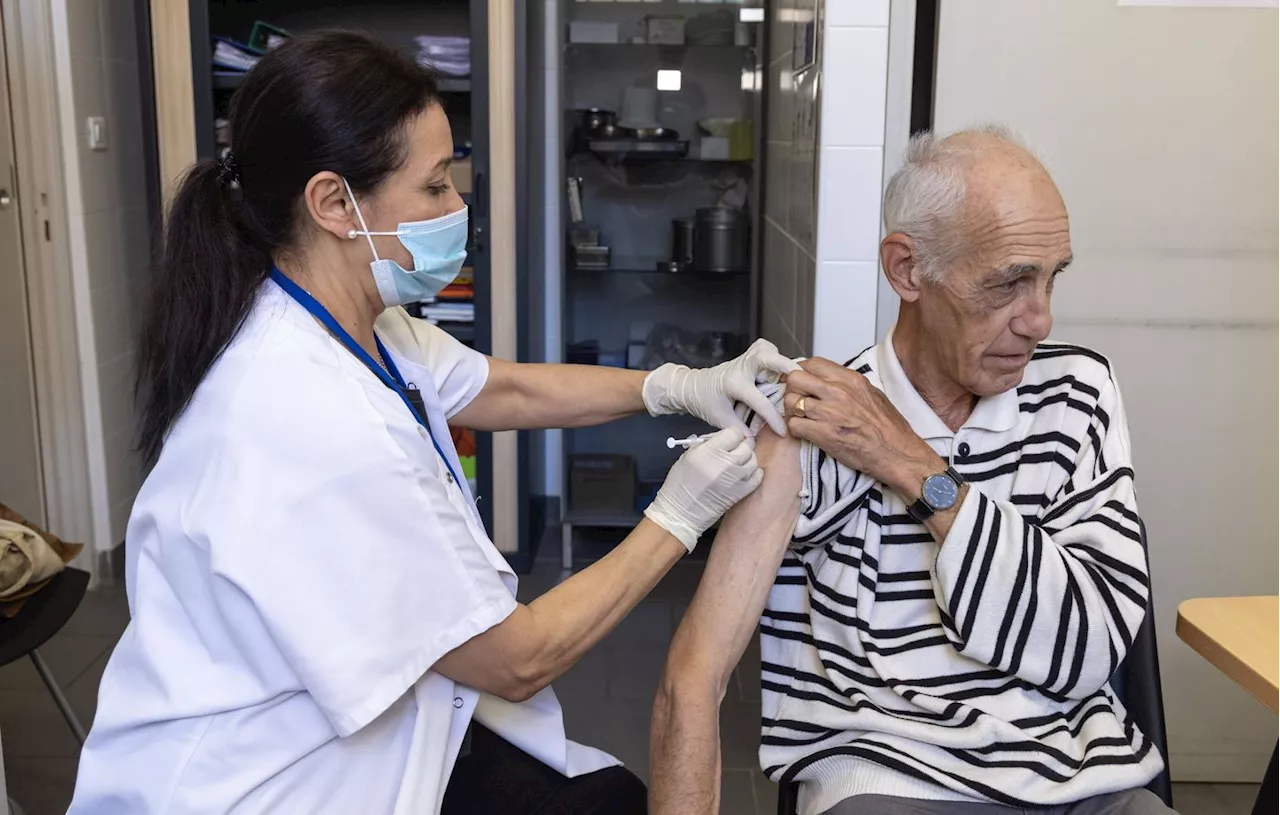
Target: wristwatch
939, 494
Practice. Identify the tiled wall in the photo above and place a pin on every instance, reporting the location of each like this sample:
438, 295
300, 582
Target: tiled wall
824, 154
791, 167
106, 207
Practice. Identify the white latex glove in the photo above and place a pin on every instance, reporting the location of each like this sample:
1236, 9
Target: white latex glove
711, 393
708, 479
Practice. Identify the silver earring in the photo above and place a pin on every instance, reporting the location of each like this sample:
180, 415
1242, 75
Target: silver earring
351, 234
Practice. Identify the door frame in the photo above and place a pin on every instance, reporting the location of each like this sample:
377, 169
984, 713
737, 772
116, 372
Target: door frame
27, 28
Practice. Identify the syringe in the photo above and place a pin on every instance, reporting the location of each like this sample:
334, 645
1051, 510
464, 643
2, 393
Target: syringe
673, 442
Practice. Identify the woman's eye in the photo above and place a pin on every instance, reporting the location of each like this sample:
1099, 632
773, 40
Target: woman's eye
438, 190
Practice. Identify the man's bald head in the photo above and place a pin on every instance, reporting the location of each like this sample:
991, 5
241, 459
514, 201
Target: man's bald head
948, 187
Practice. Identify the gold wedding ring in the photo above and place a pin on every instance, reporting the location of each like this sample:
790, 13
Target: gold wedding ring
798, 408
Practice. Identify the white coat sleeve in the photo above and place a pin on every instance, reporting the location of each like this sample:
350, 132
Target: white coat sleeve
460, 373
348, 552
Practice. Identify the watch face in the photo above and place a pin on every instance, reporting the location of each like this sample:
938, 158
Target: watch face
940, 492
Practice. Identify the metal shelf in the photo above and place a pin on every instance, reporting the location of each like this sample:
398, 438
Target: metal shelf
656, 271
462, 332
602, 519
636, 46
230, 80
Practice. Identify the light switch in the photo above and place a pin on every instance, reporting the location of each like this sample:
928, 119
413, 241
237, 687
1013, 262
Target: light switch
97, 133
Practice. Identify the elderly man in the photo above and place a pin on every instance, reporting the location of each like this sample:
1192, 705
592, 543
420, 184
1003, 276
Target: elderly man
961, 568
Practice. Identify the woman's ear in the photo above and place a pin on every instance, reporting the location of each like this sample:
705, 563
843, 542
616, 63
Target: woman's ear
901, 266
329, 205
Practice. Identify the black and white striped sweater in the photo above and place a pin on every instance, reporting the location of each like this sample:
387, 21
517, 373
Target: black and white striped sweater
976, 668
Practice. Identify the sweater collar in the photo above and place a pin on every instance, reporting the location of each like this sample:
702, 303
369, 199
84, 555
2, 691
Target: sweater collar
998, 413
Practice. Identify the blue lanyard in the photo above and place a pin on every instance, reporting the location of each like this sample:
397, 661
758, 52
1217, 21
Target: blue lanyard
390, 377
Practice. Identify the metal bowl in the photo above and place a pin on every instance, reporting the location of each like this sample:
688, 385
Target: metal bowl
656, 134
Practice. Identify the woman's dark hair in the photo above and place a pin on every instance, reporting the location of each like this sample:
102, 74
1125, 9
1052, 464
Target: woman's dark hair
334, 100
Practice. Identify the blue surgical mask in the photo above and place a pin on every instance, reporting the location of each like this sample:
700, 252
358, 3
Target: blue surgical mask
438, 247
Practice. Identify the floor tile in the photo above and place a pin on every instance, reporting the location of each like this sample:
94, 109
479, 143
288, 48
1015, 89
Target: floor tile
648, 624
766, 794
544, 576
680, 583
67, 655
33, 727
1198, 799
634, 671
83, 693
740, 735
678, 610
619, 727
1237, 798
103, 612
746, 677
41, 786
737, 793
588, 678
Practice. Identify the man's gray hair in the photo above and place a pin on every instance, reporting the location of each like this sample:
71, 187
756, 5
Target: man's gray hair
925, 197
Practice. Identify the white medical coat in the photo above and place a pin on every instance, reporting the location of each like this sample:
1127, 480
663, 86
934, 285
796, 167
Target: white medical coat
297, 561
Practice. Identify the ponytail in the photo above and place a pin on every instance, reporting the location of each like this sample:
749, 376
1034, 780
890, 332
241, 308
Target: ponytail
336, 101
209, 272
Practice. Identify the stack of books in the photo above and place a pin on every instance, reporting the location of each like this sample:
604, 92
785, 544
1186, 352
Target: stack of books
455, 304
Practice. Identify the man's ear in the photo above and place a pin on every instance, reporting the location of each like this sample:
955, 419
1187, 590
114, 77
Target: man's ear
901, 266
329, 205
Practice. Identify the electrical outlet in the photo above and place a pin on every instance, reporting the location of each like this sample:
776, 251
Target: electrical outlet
97, 133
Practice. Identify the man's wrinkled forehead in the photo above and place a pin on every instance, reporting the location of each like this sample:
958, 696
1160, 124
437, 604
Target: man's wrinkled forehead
1014, 213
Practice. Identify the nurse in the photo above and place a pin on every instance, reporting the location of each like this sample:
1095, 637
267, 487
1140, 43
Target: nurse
319, 621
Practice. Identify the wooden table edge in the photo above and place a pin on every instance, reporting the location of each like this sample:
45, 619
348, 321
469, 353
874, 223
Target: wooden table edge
1226, 662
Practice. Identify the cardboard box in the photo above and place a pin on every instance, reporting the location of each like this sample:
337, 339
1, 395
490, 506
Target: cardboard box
713, 148
591, 31
602, 482
665, 30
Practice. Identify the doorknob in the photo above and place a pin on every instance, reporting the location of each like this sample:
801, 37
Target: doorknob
5, 199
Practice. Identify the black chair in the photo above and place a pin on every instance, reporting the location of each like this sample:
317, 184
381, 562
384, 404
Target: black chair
1136, 683
43, 615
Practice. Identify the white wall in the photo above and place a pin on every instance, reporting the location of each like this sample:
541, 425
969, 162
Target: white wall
96, 57
824, 151
1160, 127
855, 66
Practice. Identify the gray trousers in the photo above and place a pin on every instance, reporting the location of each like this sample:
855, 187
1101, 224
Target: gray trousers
1130, 802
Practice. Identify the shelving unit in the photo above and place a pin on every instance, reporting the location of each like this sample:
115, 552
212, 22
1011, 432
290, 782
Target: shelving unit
230, 80
631, 198
466, 101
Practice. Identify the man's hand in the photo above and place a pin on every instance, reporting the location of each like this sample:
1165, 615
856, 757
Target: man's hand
855, 423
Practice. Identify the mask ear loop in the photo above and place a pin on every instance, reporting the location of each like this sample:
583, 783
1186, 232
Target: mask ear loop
364, 228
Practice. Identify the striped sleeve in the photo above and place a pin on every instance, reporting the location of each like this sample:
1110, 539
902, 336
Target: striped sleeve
1058, 601
829, 492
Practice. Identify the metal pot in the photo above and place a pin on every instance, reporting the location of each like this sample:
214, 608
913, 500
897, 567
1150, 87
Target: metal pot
721, 240
655, 134
594, 120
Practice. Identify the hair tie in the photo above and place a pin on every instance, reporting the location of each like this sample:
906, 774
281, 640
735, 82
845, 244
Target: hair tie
228, 169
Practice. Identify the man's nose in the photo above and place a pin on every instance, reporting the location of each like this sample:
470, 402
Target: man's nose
1036, 320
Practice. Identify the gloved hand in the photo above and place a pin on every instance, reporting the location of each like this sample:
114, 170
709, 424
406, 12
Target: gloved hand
708, 479
711, 393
